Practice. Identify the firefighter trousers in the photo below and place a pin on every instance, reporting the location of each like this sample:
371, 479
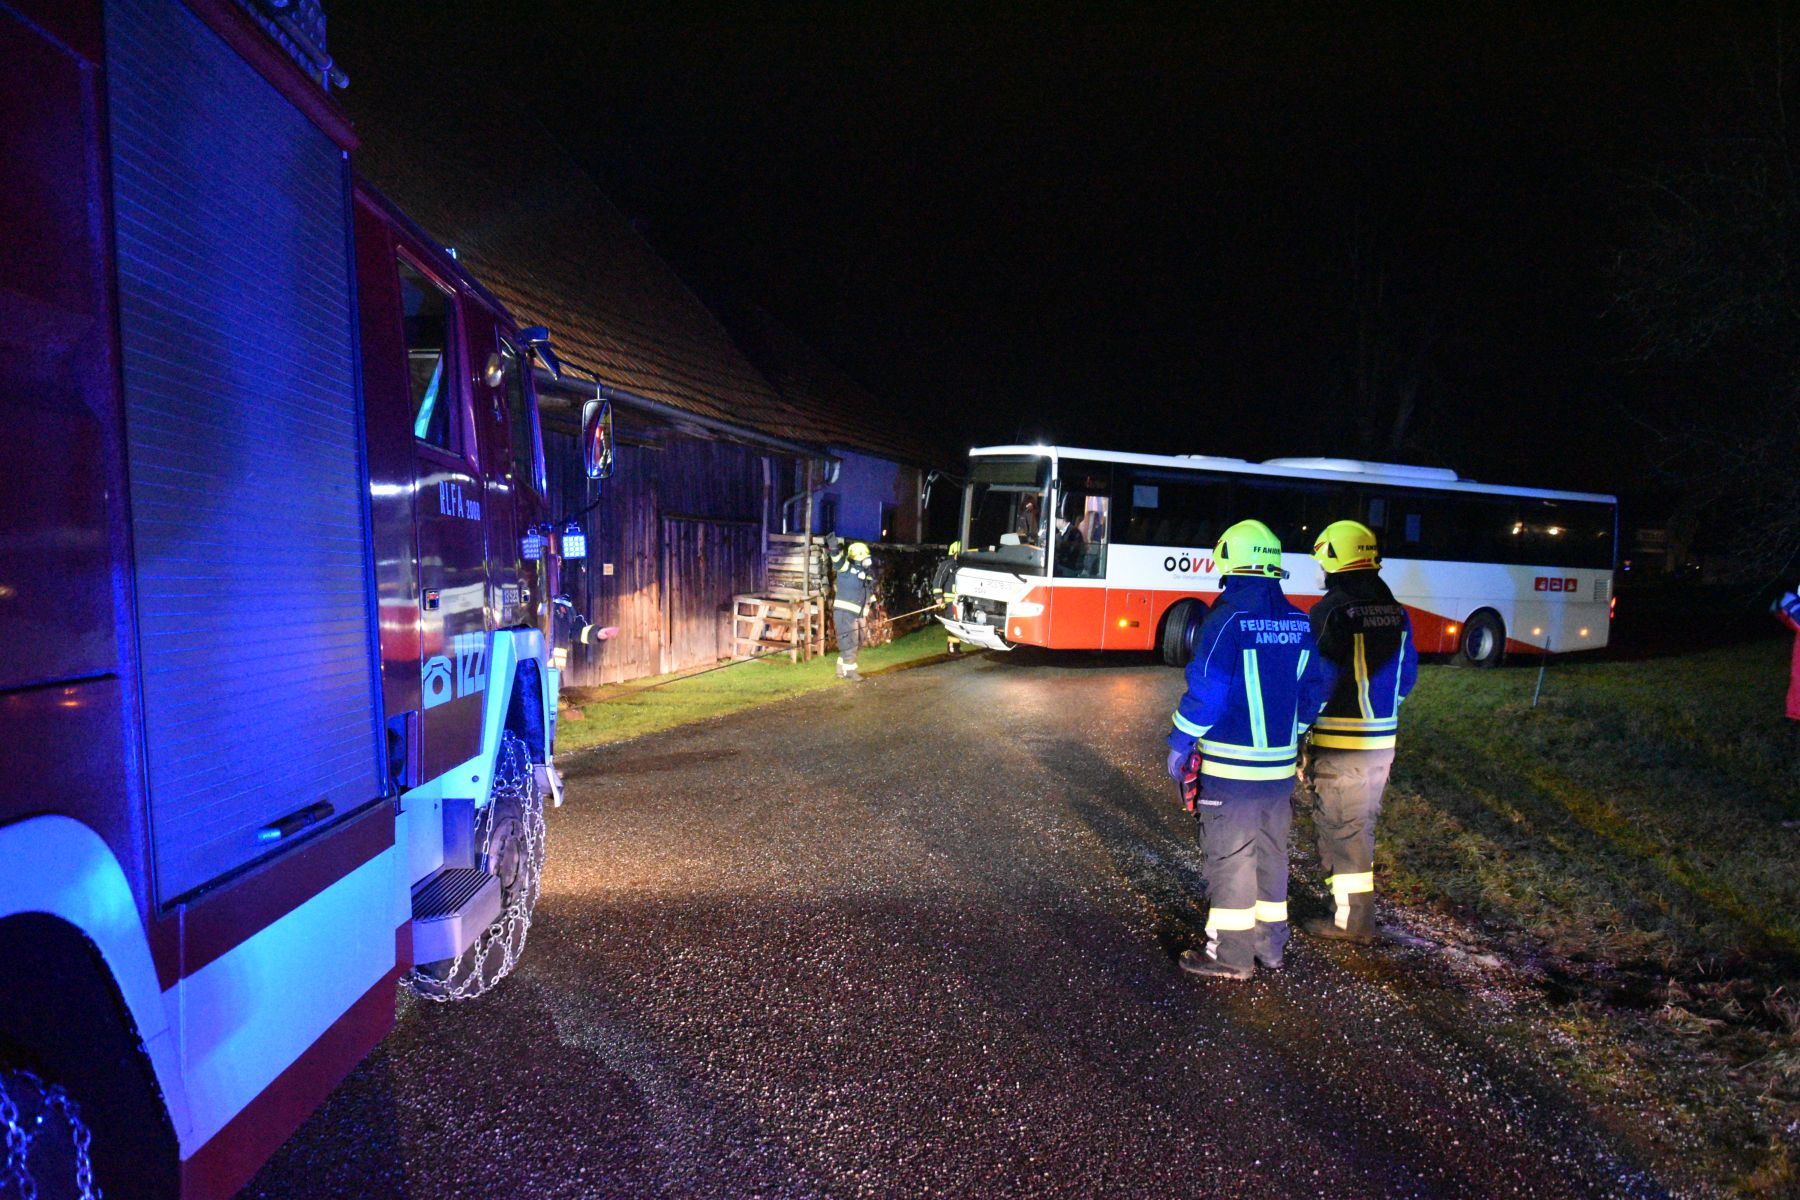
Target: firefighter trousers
1346, 787
1244, 836
849, 634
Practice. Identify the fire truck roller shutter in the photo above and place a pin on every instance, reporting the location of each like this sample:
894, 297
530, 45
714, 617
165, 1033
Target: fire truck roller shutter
243, 439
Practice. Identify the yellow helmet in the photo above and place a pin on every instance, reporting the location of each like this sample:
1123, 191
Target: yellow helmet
858, 551
1347, 546
1249, 548
955, 549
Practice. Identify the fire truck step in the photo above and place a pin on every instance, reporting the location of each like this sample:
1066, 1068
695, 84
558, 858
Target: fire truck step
450, 909
549, 781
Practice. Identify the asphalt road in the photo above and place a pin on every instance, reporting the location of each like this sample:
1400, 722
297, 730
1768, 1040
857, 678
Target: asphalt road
916, 938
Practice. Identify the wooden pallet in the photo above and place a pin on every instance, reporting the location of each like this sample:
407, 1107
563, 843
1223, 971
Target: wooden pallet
794, 623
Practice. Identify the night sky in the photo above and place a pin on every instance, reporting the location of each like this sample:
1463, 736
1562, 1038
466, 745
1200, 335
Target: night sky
1155, 229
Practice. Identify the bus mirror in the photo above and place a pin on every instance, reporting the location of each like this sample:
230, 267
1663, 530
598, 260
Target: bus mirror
597, 439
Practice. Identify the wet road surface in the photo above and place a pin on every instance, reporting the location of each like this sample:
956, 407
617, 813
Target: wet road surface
915, 938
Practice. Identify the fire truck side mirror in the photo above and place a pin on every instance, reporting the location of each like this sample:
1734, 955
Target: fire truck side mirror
597, 438
537, 341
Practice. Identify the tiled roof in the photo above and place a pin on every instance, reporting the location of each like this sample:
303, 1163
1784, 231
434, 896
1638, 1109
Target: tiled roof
476, 171
839, 410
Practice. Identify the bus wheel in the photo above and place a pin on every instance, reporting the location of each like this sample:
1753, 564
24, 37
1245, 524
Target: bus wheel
45, 1141
1483, 640
1177, 641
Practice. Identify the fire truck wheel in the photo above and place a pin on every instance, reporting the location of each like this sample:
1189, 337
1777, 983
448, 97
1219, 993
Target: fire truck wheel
1177, 638
507, 849
1483, 640
44, 1142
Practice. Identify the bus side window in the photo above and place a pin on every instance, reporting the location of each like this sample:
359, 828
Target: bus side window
1565, 533
1325, 503
1285, 506
1083, 524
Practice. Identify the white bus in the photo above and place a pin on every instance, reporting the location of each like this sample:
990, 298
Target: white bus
1074, 549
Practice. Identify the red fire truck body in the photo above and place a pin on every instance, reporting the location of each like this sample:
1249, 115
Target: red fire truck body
274, 601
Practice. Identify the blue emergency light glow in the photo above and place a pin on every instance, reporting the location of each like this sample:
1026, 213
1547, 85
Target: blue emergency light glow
532, 545
574, 541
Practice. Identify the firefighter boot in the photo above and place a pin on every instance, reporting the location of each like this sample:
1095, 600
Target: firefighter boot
1196, 962
1271, 951
1230, 827
1352, 920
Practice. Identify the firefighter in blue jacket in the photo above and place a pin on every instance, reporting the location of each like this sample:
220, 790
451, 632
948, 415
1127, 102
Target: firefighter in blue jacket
1365, 634
1254, 684
850, 607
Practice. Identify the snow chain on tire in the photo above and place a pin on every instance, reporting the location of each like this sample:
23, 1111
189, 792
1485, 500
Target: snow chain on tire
29, 1114
493, 955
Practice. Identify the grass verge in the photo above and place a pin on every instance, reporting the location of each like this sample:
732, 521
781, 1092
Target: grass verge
1634, 842
620, 712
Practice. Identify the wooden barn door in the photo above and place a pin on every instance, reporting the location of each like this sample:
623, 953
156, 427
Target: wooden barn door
705, 564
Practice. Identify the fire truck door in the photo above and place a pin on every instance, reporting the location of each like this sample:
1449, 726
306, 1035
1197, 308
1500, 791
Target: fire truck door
506, 473
448, 511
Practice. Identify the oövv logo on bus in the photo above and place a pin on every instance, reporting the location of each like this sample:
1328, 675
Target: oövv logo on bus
1189, 564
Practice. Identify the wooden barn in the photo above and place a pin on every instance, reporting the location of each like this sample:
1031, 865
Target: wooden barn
707, 451
884, 469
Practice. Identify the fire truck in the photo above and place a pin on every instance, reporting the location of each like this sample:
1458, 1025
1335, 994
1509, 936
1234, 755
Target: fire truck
277, 702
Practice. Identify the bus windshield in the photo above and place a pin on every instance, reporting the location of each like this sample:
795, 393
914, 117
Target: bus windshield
1004, 523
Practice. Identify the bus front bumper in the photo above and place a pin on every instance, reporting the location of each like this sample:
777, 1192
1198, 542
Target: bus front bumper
975, 633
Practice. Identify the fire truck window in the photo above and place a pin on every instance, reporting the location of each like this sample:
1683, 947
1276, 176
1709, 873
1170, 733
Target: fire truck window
518, 415
426, 312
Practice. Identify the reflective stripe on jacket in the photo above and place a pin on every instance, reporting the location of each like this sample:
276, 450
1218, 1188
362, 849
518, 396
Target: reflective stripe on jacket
1256, 680
1367, 637
855, 583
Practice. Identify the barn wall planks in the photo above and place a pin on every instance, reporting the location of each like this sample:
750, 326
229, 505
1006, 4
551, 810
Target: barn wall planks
706, 564
681, 523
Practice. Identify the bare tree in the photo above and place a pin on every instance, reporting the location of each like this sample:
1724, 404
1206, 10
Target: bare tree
1392, 352
1709, 283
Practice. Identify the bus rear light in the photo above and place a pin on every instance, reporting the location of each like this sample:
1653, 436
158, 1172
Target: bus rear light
1612, 609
